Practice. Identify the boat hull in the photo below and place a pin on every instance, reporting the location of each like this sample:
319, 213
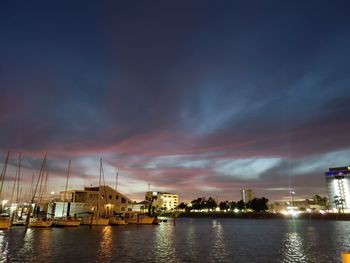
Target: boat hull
40, 223
5, 223
117, 221
66, 223
95, 221
143, 220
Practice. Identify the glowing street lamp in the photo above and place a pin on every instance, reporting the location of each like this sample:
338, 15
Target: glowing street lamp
292, 193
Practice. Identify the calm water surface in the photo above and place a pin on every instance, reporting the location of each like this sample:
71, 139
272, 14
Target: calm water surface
191, 240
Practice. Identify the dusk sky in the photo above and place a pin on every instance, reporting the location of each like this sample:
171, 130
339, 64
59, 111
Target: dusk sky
199, 98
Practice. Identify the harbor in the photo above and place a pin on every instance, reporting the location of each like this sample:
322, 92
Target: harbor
191, 240
96, 205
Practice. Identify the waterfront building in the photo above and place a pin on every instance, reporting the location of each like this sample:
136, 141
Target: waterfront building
83, 202
316, 204
162, 201
338, 186
247, 195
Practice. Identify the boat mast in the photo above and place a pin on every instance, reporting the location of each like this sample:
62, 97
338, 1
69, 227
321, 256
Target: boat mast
104, 186
43, 184
65, 190
99, 190
3, 172
116, 182
14, 185
18, 177
40, 175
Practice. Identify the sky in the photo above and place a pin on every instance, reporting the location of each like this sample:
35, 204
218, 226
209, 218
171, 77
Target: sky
198, 98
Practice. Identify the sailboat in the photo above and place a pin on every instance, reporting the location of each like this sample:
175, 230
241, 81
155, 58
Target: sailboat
96, 219
37, 220
15, 218
118, 219
140, 218
5, 221
66, 221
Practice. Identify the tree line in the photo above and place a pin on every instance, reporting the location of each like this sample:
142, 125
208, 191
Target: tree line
210, 204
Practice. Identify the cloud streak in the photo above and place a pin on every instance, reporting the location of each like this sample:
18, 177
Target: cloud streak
229, 96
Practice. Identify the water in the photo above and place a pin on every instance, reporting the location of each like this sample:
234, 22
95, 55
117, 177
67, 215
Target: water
191, 240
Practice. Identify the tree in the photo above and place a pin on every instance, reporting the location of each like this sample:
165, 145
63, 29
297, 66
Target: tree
339, 203
211, 204
258, 204
197, 204
240, 205
224, 205
232, 205
182, 206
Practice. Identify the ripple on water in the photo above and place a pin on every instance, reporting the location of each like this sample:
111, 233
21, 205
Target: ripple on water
191, 240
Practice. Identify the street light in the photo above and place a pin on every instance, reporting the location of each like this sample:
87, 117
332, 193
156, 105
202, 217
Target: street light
292, 193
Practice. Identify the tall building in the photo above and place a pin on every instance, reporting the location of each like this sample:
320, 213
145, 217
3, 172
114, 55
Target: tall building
338, 186
162, 201
247, 195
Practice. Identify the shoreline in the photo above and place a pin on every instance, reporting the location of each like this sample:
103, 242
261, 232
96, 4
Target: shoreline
263, 215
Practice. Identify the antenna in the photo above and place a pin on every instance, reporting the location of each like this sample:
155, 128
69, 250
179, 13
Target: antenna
149, 187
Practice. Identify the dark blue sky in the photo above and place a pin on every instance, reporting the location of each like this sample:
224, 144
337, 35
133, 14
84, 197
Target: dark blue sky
200, 98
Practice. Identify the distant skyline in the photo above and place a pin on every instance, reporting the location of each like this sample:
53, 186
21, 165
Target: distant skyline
196, 98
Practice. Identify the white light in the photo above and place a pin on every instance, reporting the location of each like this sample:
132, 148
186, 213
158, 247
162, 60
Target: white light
322, 212
4, 202
284, 212
52, 192
293, 213
236, 210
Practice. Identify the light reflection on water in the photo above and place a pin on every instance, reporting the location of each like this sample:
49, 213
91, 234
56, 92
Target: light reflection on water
3, 246
191, 240
164, 248
104, 253
218, 248
293, 244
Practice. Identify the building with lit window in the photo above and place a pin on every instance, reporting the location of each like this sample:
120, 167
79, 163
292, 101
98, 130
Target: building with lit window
247, 195
338, 186
162, 201
81, 202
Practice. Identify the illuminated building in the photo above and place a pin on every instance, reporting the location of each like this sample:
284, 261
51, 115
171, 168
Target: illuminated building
247, 195
80, 202
338, 185
162, 201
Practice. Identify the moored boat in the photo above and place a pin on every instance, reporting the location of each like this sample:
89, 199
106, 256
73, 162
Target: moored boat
117, 220
5, 222
138, 218
40, 222
95, 221
66, 222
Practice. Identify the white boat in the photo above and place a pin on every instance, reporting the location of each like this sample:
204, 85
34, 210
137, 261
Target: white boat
40, 222
5, 222
66, 222
117, 220
95, 221
137, 218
